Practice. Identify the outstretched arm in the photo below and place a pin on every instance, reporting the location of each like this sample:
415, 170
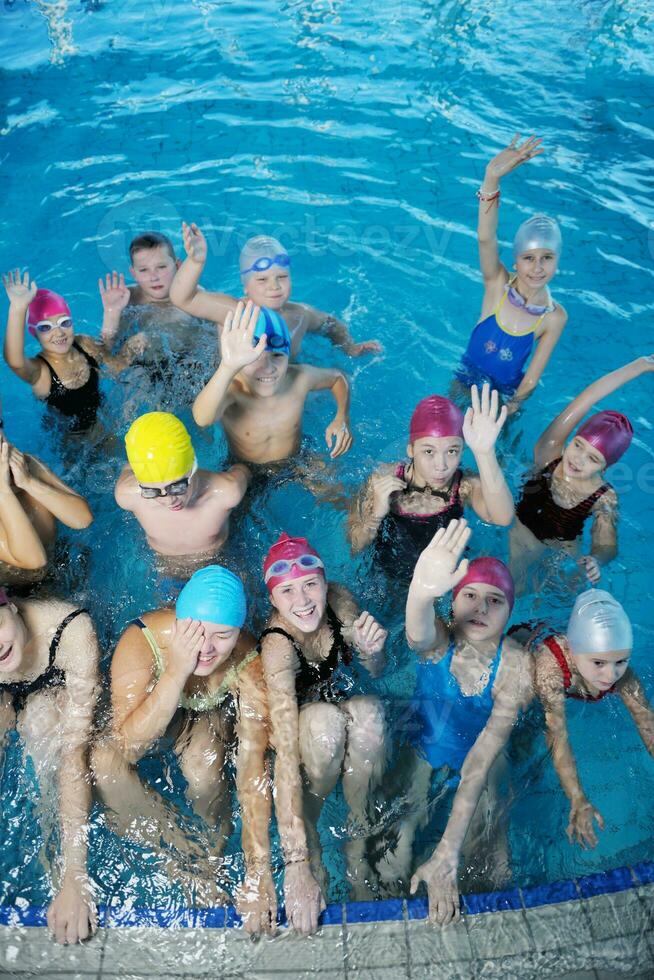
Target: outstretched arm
21, 292
490, 497
337, 332
438, 569
551, 442
41, 484
507, 160
184, 292
337, 434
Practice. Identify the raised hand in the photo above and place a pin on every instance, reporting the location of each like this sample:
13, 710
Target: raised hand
237, 347
483, 422
367, 635
383, 487
513, 156
364, 347
5, 468
113, 292
580, 828
185, 645
338, 436
439, 568
440, 876
19, 468
195, 243
19, 289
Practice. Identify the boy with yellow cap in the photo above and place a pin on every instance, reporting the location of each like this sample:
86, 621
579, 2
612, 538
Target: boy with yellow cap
183, 510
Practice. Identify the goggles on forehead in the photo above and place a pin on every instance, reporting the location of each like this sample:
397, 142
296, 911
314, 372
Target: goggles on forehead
175, 489
45, 326
263, 263
283, 566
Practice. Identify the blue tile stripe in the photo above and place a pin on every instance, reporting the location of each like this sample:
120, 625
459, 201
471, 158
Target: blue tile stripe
386, 910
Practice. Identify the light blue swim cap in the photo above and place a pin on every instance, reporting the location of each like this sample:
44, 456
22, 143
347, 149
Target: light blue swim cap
598, 624
259, 254
537, 232
273, 324
213, 594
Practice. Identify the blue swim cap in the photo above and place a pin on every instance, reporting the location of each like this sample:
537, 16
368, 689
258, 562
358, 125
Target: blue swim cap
214, 594
274, 326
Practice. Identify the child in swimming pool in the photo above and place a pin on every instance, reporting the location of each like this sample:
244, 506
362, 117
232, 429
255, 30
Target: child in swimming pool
184, 511
472, 682
66, 373
266, 277
259, 397
402, 506
32, 499
518, 315
324, 727
48, 685
590, 661
190, 679
568, 486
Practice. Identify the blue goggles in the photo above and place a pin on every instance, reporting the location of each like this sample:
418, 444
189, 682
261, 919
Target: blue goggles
263, 263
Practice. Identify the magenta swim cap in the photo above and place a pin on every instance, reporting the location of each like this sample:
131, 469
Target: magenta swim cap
436, 416
610, 432
45, 305
489, 571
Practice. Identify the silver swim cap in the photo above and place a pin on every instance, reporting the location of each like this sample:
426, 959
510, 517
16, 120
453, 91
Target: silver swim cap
259, 254
537, 232
598, 624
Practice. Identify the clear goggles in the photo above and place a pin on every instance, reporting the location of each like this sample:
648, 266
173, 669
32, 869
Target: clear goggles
283, 566
45, 326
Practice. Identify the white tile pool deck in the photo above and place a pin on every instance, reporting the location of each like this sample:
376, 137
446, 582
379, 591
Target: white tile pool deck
598, 938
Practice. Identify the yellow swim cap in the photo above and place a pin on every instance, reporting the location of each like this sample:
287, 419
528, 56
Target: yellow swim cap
159, 448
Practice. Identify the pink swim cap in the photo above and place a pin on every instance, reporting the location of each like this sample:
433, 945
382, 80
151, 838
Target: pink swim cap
489, 571
610, 432
4, 598
287, 551
45, 305
436, 416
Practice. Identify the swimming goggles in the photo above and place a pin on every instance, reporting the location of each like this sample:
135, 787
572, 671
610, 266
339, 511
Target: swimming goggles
44, 326
176, 489
264, 262
283, 566
517, 300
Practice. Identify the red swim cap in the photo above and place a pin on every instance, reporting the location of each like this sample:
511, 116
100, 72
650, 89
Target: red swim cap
287, 549
436, 416
45, 305
489, 571
610, 432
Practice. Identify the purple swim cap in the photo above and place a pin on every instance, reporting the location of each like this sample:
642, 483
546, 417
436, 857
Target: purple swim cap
489, 571
436, 416
610, 432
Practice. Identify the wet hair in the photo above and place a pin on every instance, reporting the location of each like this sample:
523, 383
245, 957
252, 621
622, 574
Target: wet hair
151, 239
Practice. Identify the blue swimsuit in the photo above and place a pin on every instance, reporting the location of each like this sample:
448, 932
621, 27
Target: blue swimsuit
495, 354
446, 722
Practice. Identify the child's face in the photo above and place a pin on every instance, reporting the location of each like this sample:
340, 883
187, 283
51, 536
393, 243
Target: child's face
59, 338
266, 374
219, 642
536, 267
302, 601
435, 460
602, 670
480, 612
154, 270
271, 288
581, 460
12, 640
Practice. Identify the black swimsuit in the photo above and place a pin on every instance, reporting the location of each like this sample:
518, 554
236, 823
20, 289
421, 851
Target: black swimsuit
546, 519
80, 405
51, 677
317, 681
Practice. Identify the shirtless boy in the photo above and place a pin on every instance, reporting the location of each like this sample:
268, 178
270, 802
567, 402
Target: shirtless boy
259, 397
266, 277
183, 510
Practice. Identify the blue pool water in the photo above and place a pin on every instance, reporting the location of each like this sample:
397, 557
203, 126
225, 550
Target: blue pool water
357, 133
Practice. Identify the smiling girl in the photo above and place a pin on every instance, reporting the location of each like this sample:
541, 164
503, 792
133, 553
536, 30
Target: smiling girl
65, 374
518, 315
568, 486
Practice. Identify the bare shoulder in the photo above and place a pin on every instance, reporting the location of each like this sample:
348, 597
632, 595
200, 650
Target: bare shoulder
607, 503
469, 481
517, 669
558, 318
547, 675
126, 489
133, 651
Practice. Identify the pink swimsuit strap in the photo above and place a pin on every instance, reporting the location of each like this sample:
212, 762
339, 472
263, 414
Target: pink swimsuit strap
555, 649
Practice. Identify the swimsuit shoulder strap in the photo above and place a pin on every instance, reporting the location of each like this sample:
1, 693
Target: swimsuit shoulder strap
456, 485
400, 470
336, 626
277, 630
234, 673
53, 373
555, 649
54, 644
154, 646
88, 357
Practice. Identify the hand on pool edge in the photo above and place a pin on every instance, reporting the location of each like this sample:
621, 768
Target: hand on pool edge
439, 874
72, 915
303, 898
256, 903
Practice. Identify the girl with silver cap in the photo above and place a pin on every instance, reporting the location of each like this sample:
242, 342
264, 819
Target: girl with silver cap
590, 661
518, 315
568, 486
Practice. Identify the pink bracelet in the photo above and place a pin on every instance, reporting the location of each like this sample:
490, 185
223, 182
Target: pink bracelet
483, 196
